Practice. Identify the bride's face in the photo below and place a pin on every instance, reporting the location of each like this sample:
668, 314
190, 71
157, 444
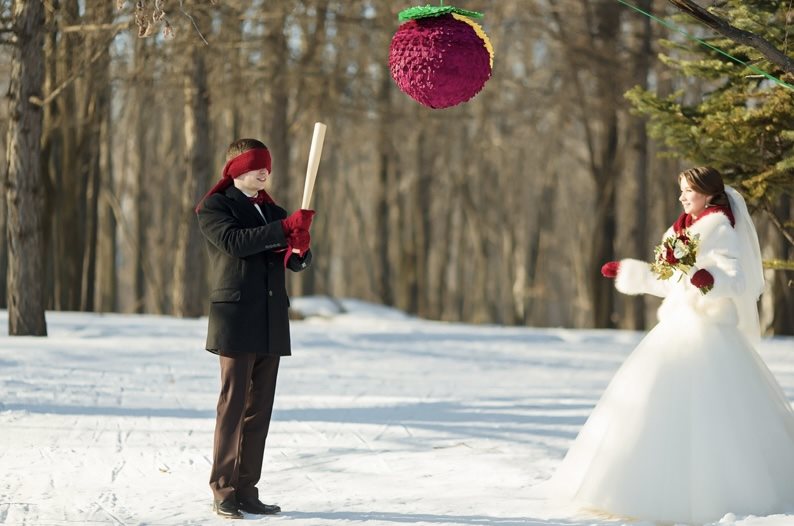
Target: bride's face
693, 202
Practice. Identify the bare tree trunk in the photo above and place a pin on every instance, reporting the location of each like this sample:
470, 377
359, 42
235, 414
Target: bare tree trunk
406, 272
277, 117
3, 230
442, 249
453, 281
409, 272
544, 222
232, 27
277, 121
26, 298
599, 121
104, 293
50, 153
91, 227
423, 215
69, 218
385, 290
783, 282
140, 206
452, 277
635, 308
606, 166
189, 261
95, 113
107, 280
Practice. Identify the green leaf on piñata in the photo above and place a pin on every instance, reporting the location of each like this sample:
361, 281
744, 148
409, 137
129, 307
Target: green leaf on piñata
414, 13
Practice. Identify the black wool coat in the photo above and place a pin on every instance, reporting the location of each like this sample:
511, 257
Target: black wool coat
248, 295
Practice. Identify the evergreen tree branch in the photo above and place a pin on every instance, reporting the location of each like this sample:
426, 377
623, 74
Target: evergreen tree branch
739, 36
778, 264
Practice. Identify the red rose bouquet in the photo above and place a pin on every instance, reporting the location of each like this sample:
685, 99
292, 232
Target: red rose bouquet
677, 252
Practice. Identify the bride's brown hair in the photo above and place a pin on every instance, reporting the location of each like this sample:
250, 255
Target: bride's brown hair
706, 180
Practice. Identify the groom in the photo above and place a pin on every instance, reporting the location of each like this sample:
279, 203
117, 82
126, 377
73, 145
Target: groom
249, 239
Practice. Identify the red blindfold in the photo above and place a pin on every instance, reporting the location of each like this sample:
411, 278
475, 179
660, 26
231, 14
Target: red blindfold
255, 159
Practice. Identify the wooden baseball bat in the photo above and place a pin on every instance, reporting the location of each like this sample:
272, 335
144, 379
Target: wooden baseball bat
315, 152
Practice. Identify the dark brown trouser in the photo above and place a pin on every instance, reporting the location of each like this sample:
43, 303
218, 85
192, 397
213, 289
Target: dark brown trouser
248, 385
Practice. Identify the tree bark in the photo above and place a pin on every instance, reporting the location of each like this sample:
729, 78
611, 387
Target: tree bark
421, 217
783, 281
277, 121
107, 276
68, 177
140, 202
600, 126
635, 306
100, 273
606, 163
232, 30
189, 261
50, 151
544, 223
95, 114
3, 227
385, 290
26, 283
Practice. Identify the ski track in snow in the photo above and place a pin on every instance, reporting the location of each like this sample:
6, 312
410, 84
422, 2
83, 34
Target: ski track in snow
380, 418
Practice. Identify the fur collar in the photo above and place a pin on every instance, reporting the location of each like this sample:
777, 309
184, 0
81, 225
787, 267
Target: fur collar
709, 223
685, 220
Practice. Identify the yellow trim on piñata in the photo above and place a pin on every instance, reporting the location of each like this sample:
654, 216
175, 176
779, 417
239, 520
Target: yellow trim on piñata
480, 33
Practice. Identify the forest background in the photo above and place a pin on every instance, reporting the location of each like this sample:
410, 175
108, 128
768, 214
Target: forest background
500, 210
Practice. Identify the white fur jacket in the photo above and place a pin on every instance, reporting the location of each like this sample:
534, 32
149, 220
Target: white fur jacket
718, 253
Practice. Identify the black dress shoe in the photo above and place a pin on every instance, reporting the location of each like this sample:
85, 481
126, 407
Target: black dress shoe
227, 509
257, 507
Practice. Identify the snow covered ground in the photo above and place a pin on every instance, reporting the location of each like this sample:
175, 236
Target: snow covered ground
380, 418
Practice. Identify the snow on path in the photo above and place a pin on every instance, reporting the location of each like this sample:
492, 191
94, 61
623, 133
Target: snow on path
380, 418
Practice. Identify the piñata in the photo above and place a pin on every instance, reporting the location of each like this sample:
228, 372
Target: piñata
439, 56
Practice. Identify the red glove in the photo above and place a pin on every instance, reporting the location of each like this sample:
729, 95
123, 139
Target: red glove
610, 270
300, 240
300, 219
703, 280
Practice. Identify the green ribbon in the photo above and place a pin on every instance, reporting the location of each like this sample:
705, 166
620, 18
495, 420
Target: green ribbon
710, 46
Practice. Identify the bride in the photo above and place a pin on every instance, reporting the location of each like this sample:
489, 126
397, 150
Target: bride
693, 425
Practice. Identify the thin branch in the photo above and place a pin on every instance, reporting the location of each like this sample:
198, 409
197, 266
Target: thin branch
182, 8
573, 70
94, 27
77, 74
778, 224
740, 36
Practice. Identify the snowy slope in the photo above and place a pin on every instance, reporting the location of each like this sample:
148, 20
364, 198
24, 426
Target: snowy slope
380, 418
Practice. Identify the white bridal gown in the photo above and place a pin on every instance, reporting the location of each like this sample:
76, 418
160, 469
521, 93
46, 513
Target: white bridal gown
693, 425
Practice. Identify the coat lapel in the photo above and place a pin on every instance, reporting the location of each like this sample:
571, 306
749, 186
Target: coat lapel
245, 208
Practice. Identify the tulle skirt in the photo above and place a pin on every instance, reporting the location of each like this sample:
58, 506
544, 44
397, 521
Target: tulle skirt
692, 426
